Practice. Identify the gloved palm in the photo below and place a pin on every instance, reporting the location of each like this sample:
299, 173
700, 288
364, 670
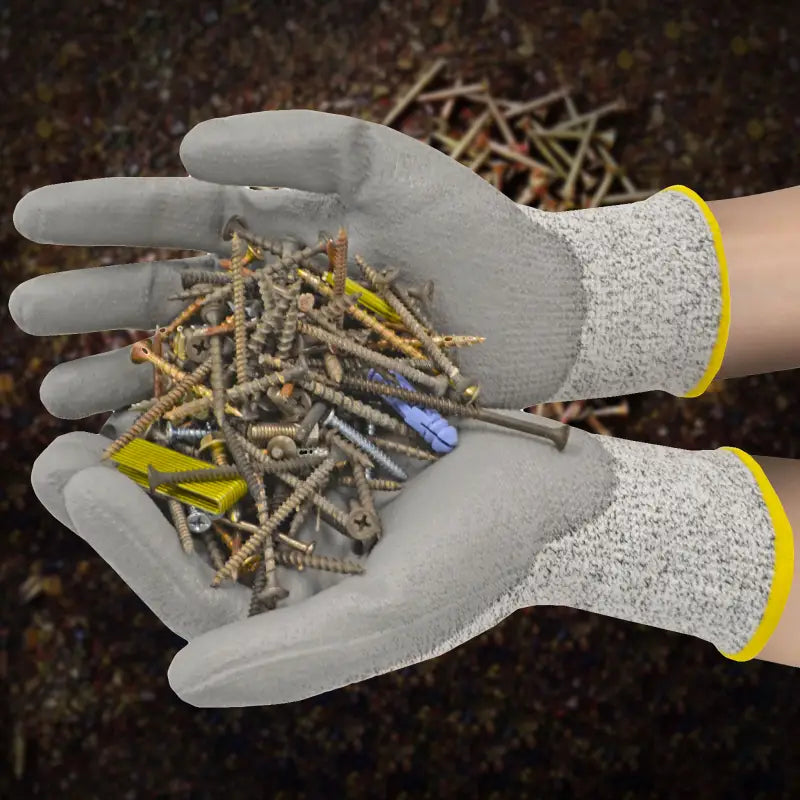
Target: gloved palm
463, 540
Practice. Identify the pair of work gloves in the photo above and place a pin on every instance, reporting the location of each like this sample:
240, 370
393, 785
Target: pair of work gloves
580, 304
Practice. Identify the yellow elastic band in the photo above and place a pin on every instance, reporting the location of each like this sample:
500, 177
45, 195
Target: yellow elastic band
725, 319
783, 570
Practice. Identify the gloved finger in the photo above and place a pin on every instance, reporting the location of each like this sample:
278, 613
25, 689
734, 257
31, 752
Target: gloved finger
300, 149
95, 384
294, 652
125, 527
122, 296
183, 213
60, 460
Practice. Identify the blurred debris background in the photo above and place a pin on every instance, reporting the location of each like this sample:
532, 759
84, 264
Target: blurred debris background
551, 703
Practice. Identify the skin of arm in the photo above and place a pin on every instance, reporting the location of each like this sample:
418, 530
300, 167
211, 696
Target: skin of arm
783, 646
761, 237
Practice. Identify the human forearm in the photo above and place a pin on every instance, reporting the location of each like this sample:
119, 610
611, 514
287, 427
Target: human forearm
761, 236
783, 646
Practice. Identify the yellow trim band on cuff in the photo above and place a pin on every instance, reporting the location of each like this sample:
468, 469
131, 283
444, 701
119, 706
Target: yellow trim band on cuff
718, 352
783, 572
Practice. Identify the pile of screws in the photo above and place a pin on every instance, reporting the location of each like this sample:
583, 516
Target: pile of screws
542, 152
312, 383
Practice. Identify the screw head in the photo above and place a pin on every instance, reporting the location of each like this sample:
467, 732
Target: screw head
198, 521
362, 524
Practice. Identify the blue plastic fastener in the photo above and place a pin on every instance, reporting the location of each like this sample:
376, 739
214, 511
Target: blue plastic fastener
429, 424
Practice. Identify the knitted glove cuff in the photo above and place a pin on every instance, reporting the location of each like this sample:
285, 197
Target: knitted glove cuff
657, 296
693, 542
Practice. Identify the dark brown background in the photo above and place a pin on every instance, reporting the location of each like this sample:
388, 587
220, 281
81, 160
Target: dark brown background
551, 703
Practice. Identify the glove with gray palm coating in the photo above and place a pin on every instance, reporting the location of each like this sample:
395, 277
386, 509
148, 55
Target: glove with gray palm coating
588, 303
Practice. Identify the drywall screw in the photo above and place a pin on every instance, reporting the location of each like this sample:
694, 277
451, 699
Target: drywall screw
261, 431
448, 340
184, 315
299, 518
181, 525
327, 563
271, 318
164, 403
216, 445
258, 385
193, 408
212, 548
558, 435
349, 432
312, 483
437, 383
197, 520
272, 592
240, 334
158, 349
156, 478
351, 307
362, 523
191, 277
288, 331
259, 582
337, 258
363, 490
140, 352
306, 300
376, 484
332, 511
356, 407
463, 386
404, 449
414, 306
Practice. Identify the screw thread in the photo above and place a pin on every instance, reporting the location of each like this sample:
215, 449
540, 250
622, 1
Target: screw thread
289, 329
355, 407
312, 484
239, 315
164, 403
373, 357
328, 563
190, 277
318, 500
366, 319
181, 525
376, 484
405, 449
213, 548
263, 431
349, 432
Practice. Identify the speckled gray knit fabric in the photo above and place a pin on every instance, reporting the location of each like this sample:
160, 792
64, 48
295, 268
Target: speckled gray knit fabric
687, 545
652, 284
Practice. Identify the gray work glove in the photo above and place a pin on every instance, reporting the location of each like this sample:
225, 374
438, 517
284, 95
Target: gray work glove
590, 303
